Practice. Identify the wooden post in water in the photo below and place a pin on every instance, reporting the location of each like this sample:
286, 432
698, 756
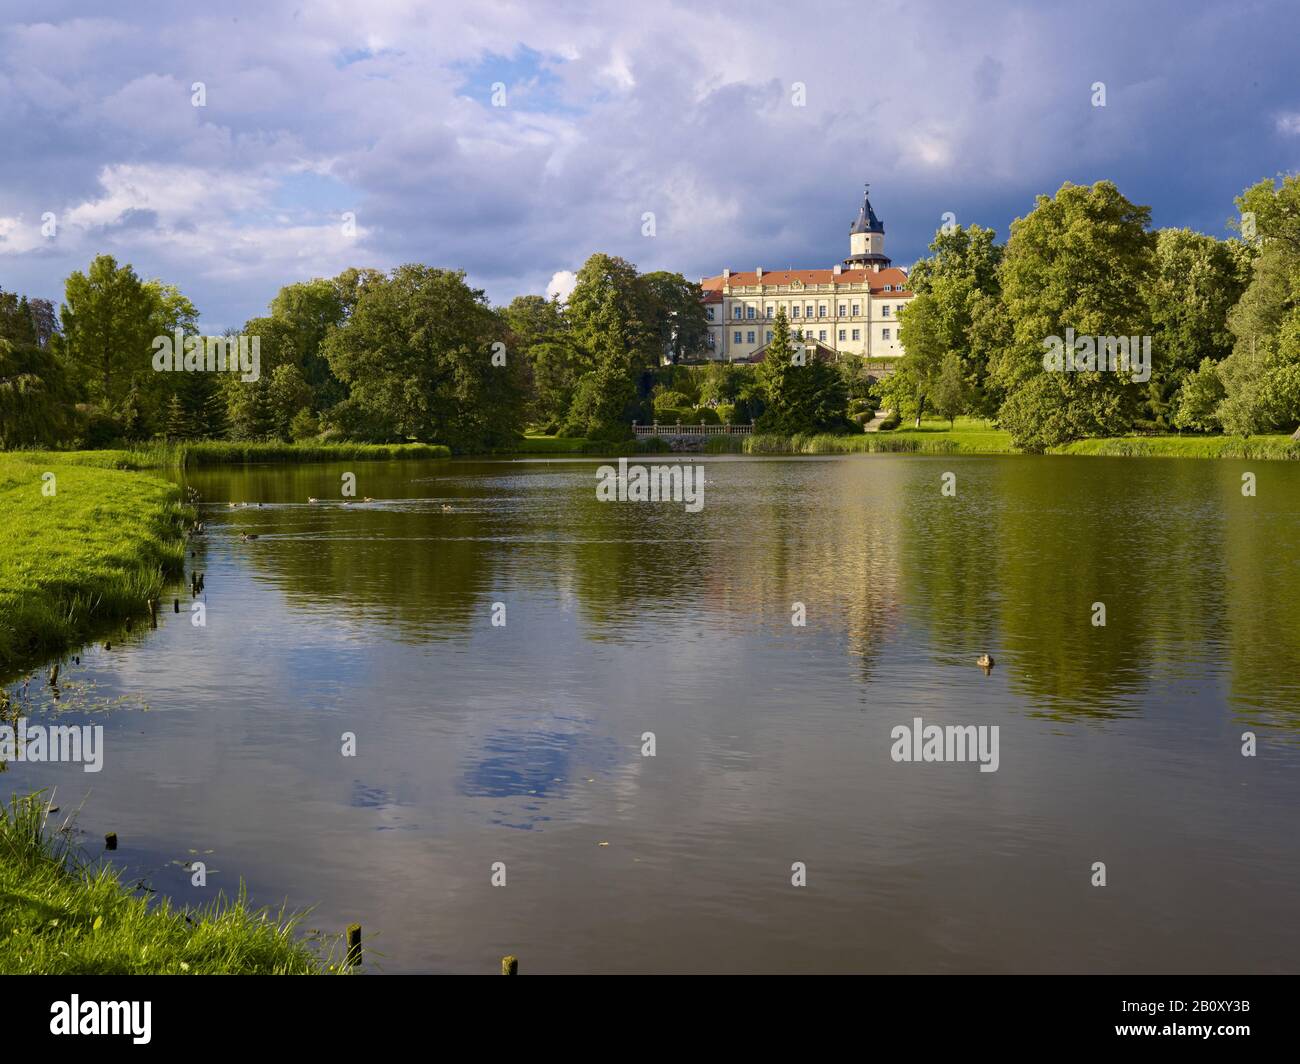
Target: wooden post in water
110, 841
176, 605
153, 613
510, 965
354, 945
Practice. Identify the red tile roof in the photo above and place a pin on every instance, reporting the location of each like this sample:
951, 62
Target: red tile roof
891, 275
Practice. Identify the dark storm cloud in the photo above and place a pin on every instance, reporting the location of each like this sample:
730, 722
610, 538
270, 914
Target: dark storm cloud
689, 112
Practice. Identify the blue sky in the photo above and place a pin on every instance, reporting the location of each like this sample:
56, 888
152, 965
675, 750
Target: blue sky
385, 111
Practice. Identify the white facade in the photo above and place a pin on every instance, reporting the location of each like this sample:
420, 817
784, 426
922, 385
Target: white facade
852, 307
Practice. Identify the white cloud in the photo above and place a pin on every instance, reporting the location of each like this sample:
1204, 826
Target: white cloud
176, 194
17, 238
561, 284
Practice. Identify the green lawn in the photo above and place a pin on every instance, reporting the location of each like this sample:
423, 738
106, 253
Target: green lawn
93, 552
967, 435
152, 457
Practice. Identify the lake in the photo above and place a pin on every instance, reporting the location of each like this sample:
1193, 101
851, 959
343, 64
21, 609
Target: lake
522, 744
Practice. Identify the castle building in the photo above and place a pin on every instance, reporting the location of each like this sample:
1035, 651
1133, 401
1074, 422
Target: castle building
851, 308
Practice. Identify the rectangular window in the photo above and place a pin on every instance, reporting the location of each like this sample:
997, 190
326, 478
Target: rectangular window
855, 309
857, 334
735, 311
885, 335
884, 311
751, 336
821, 310
843, 335
794, 312
810, 311
841, 310
737, 337
821, 335
769, 336
749, 313
769, 311
709, 312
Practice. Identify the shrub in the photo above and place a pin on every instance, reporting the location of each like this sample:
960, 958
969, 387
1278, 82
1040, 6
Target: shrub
727, 414
720, 383
684, 380
653, 445
98, 429
675, 415
667, 400
304, 426
349, 420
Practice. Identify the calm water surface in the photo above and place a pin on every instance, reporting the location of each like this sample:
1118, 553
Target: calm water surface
522, 744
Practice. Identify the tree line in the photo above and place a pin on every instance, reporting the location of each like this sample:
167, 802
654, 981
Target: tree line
419, 354
413, 354
1223, 318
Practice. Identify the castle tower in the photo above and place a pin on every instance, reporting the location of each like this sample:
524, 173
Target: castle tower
867, 239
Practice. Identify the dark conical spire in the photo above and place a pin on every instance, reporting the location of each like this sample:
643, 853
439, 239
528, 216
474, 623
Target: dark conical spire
867, 221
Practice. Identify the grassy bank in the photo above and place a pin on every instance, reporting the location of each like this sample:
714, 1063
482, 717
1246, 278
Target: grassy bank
966, 436
229, 452
1257, 447
62, 917
972, 436
547, 445
223, 452
92, 552
134, 459
577, 445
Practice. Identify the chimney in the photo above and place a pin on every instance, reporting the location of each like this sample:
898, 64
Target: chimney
725, 273
759, 273
838, 269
